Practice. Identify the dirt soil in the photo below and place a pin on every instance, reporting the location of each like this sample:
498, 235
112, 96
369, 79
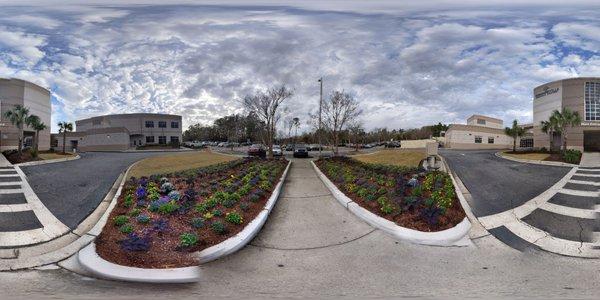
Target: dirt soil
165, 250
15, 158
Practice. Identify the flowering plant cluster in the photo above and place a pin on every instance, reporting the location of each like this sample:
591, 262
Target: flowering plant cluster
397, 193
192, 209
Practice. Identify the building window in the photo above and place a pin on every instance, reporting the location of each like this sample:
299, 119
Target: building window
174, 124
592, 101
481, 121
490, 140
149, 124
162, 124
150, 139
526, 143
478, 139
162, 139
96, 122
174, 139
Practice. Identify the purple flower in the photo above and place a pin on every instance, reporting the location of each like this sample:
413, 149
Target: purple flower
140, 193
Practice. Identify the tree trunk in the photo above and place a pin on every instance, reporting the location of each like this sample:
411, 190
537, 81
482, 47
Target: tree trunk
565, 142
20, 147
515, 144
37, 140
64, 142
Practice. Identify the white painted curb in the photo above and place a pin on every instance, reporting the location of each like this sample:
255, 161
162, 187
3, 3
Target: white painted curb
49, 161
240, 240
536, 162
100, 267
455, 236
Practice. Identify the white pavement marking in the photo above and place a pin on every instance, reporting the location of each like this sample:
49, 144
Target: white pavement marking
579, 193
570, 211
15, 207
11, 191
549, 243
9, 175
10, 183
499, 219
52, 227
587, 175
24, 238
51, 224
584, 182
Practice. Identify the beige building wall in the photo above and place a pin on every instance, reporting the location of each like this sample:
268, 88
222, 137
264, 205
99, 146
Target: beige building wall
415, 144
463, 137
479, 120
556, 95
37, 99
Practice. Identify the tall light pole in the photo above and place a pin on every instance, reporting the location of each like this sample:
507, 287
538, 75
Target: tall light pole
320, 110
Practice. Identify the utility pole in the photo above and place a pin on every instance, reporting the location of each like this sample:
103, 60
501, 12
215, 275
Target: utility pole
320, 111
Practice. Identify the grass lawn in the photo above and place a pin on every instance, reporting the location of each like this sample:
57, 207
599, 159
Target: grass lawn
409, 158
529, 156
53, 155
179, 161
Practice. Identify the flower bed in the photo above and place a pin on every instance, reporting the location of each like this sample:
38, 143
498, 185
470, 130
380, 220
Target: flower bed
160, 221
409, 197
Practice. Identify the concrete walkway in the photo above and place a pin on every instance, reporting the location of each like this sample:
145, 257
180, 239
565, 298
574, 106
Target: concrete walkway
590, 160
313, 248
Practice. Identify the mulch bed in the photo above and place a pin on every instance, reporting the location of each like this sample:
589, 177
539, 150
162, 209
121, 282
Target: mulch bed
394, 183
14, 157
157, 243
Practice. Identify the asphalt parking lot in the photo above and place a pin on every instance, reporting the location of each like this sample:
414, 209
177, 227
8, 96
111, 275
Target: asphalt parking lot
497, 184
72, 190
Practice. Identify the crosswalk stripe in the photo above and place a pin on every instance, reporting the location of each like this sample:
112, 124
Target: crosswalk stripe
584, 182
570, 211
579, 193
15, 207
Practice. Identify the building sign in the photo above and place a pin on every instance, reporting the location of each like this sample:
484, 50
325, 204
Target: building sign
590, 123
547, 91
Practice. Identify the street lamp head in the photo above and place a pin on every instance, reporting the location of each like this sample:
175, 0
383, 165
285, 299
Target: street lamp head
320, 79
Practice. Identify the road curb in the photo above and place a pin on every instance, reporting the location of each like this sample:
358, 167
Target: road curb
72, 241
455, 236
536, 162
93, 263
240, 240
49, 161
102, 268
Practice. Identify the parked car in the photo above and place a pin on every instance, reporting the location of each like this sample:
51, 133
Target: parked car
277, 150
257, 150
289, 147
300, 150
392, 144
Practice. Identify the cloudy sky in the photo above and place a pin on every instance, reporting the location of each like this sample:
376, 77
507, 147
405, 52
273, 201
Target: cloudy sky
408, 65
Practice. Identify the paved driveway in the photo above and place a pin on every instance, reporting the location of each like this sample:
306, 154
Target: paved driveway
72, 190
497, 184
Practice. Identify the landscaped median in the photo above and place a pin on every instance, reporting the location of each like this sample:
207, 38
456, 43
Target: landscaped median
407, 202
569, 158
163, 226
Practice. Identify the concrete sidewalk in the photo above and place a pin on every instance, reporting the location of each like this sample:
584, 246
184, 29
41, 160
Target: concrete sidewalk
590, 160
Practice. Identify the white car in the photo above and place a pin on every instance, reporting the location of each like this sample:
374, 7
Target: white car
277, 150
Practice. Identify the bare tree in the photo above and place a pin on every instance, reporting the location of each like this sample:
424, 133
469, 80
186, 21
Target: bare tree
339, 109
356, 131
266, 105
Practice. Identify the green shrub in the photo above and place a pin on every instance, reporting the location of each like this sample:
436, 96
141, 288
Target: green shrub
417, 191
244, 206
362, 192
168, 207
197, 222
208, 215
126, 228
188, 239
254, 198
217, 213
128, 200
201, 207
218, 227
234, 218
230, 199
120, 220
143, 219
572, 156
135, 212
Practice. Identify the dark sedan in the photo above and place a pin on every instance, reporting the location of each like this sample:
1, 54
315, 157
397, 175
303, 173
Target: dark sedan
300, 151
257, 150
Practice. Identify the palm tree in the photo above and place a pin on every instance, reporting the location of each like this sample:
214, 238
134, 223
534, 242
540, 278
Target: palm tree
565, 119
550, 128
18, 116
296, 123
64, 127
36, 124
515, 131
